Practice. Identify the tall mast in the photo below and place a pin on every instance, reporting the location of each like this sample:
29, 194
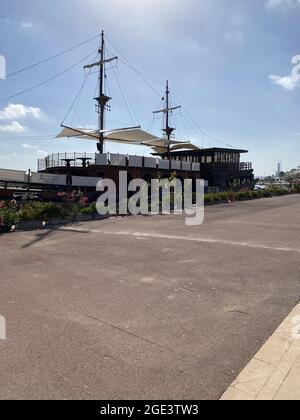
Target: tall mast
166, 111
101, 100
168, 129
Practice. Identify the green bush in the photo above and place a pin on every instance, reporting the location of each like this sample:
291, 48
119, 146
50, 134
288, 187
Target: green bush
231, 196
31, 212
247, 195
256, 194
216, 197
56, 211
42, 211
208, 198
266, 193
241, 195
89, 210
8, 218
224, 196
279, 191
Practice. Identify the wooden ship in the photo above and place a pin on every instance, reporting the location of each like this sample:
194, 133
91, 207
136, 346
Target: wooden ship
221, 168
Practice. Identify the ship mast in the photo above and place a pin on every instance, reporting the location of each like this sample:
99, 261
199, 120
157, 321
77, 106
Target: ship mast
101, 103
102, 99
168, 131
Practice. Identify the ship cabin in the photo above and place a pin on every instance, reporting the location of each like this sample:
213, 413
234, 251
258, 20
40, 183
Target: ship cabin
221, 168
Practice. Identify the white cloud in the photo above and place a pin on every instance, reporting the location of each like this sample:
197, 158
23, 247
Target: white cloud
283, 4
16, 111
26, 26
14, 127
287, 82
28, 146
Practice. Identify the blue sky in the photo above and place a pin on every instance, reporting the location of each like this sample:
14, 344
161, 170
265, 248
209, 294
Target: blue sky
229, 63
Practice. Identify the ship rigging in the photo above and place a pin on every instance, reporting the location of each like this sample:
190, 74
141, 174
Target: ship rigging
128, 135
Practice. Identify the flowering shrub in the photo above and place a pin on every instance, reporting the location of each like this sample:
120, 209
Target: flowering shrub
73, 197
72, 204
9, 215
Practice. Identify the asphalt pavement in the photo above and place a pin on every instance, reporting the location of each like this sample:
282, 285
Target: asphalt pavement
146, 307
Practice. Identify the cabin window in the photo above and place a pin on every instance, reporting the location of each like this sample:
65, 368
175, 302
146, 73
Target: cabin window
203, 159
209, 159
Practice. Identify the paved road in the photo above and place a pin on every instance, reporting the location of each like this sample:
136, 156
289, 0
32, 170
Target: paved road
146, 308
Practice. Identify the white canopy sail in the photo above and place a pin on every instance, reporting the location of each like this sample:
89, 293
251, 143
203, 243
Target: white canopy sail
134, 136
81, 133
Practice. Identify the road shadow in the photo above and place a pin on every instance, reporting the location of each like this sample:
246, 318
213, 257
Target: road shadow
49, 231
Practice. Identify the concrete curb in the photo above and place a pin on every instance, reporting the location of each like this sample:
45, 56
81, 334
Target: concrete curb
274, 372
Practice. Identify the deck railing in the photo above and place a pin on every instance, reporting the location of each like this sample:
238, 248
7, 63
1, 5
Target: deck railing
59, 160
246, 166
79, 160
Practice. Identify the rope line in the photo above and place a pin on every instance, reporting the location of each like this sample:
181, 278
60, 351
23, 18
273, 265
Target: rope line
52, 57
76, 98
46, 81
